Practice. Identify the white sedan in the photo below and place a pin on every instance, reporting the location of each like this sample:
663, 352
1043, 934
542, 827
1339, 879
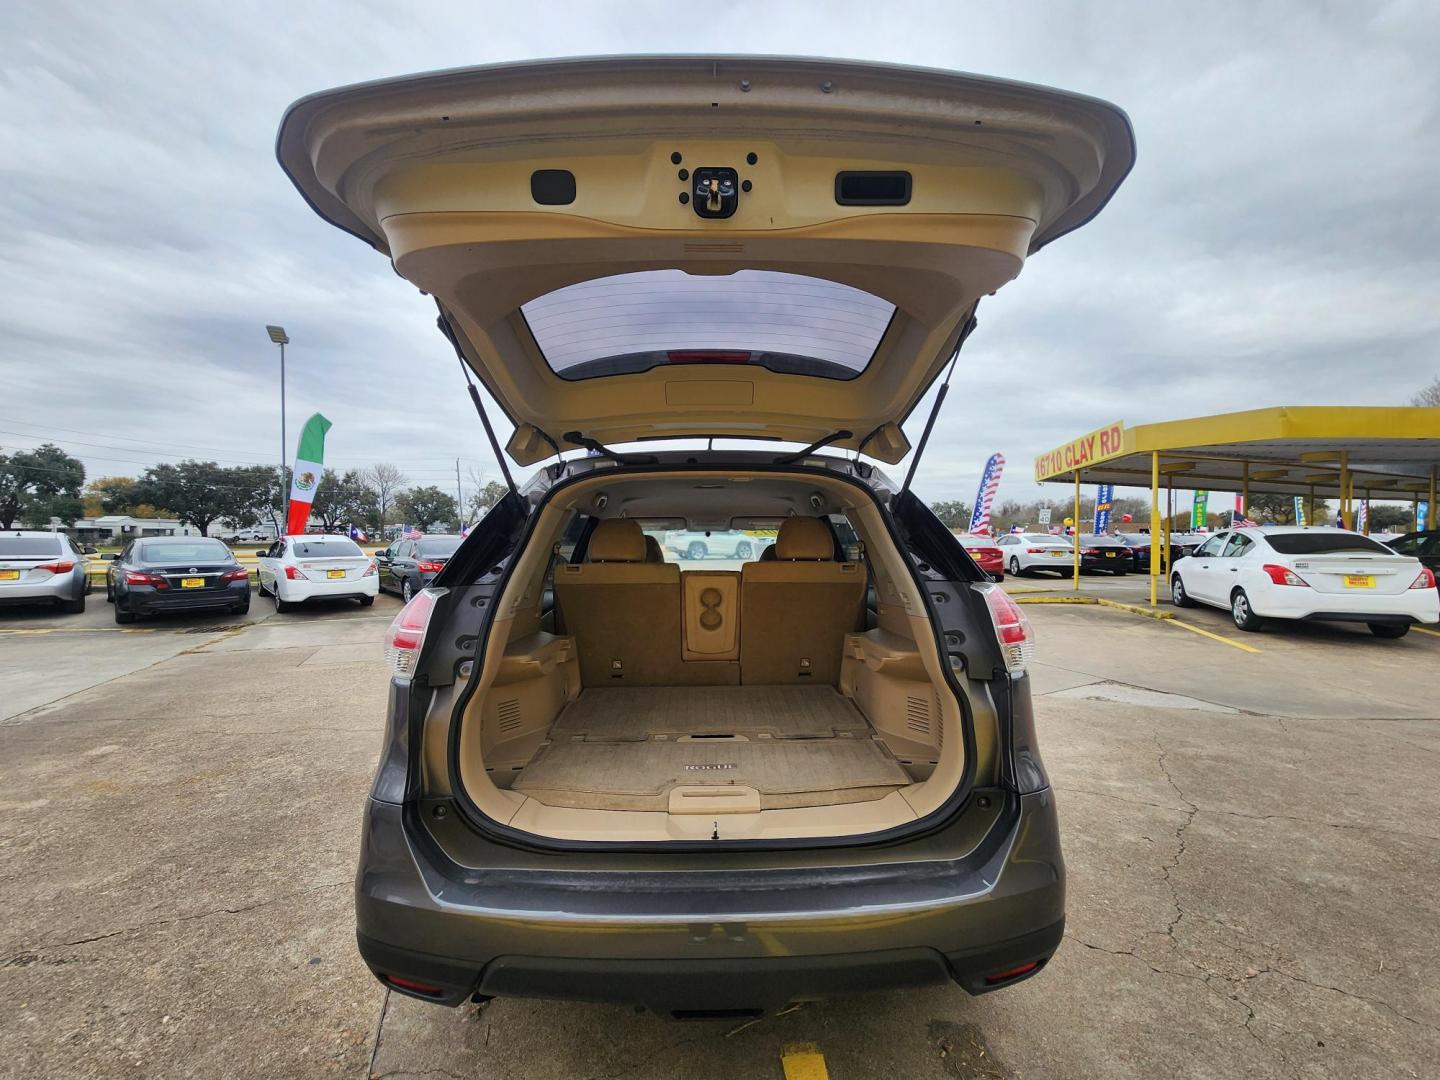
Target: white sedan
299, 568
1325, 574
1027, 552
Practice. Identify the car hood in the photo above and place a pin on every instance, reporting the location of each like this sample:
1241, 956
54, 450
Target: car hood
551, 210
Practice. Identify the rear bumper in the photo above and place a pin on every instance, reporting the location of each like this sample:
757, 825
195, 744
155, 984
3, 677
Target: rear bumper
712, 942
147, 601
62, 587
1411, 606
299, 591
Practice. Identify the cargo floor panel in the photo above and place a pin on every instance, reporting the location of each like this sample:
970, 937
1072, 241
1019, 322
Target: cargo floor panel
626, 749
642, 712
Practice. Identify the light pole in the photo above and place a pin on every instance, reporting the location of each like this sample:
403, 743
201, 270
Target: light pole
279, 337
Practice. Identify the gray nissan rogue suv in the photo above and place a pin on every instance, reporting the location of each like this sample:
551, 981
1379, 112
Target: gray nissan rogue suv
704, 789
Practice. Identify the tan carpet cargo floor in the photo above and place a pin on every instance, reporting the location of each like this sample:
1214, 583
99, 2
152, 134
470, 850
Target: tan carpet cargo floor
626, 748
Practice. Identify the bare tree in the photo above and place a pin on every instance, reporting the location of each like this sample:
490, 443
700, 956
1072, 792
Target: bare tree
1430, 396
484, 494
386, 481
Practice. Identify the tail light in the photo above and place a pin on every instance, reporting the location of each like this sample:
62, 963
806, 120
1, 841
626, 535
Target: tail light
292, 573
407, 632
415, 986
369, 570
1282, 575
1034, 551
57, 567
1012, 628
426, 567
238, 574
140, 577
1426, 580
1090, 551
1012, 973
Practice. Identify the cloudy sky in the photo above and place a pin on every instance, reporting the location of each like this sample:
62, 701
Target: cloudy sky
1276, 244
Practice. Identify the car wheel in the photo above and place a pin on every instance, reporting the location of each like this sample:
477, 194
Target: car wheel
122, 616
281, 606
1243, 614
240, 609
73, 607
406, 592
1015, 565
696, 550
1389, 630
1121, 573
743, 551
366, 601
1178, 596
109, 592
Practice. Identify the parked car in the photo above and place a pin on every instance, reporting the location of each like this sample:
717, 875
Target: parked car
1139, 545
155, 574
613, 779
987, 553
1108, 554
1027, 552
407, 566
295, 569
1307, 572
39, 566
1424, 546
713, 544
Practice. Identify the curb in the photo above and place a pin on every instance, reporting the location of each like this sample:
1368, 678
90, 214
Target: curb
1094, 601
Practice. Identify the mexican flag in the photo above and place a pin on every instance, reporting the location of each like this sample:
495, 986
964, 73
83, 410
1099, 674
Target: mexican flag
305, 480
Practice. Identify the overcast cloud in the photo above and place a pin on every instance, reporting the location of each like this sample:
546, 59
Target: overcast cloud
1276, 243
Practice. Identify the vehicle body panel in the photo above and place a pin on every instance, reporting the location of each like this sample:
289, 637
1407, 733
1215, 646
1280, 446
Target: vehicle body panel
184, 574
39, 566
317, 576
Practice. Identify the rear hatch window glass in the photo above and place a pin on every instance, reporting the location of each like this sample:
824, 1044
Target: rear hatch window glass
439, 549
786, 323
199, 551
28, 547
1326, 544
327, 549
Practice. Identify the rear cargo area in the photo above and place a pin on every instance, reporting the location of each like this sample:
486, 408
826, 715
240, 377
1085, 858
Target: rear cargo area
647, 748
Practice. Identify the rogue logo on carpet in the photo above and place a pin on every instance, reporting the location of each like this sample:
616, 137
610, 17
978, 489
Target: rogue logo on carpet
710, 767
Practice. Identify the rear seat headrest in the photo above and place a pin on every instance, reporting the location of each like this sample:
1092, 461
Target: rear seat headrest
805, 539
617, 540
653, 554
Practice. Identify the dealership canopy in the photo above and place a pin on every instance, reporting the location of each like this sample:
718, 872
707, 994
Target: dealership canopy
1340, 452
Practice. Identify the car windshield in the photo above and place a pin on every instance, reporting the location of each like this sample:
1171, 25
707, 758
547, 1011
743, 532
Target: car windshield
439, 547
326, 549
193, 551
29, 547
1337, 543
786, 323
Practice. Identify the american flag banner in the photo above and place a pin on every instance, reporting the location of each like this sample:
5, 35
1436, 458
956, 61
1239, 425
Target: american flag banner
1362, 517
985, 496
1238, 520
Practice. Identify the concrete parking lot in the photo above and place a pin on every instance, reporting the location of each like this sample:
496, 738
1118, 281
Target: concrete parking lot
1251, 836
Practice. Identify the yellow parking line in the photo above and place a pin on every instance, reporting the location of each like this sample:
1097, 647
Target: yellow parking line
1422, 630
803, 1062
1216, 637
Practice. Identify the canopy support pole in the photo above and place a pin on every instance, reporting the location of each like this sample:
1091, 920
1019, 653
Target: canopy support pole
1167, 526
1076, 538
1154, 528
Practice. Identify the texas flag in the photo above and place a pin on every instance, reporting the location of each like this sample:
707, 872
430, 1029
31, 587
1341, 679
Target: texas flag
356, 533
305, 479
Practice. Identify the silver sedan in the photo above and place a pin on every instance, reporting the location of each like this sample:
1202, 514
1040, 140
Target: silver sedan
39, 566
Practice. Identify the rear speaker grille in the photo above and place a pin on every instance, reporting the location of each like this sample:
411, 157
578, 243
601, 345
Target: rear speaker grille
507, 715
917, 715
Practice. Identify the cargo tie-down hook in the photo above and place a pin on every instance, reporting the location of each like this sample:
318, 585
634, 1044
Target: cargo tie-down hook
712, 200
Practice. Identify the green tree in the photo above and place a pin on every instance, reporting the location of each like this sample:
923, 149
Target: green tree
426, 506
342, 499
197, 492
953, 513
36, 485
485, 497
1390, 518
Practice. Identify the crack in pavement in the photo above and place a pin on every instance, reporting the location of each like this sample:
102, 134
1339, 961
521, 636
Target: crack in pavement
26, 957
1405, 833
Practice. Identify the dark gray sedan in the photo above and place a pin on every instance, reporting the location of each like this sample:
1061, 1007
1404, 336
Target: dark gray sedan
407, 566
157, 574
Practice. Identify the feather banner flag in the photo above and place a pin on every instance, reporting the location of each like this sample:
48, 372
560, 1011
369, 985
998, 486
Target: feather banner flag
985, 497
305, 480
